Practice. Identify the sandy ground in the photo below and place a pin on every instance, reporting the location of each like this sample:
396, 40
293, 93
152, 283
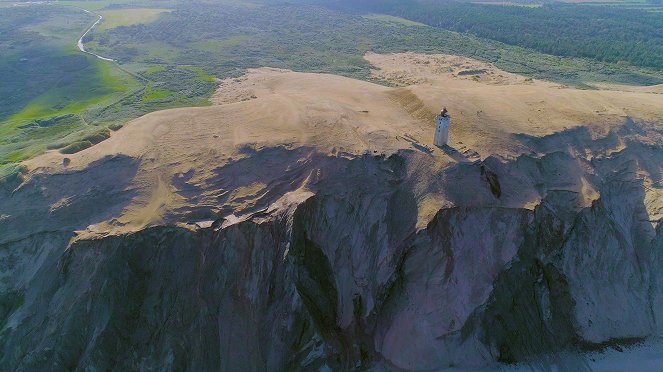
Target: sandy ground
180, 150
489, 106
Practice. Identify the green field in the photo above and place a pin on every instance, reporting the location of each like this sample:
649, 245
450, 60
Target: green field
50, 90
128, 17
93, 5
55, 97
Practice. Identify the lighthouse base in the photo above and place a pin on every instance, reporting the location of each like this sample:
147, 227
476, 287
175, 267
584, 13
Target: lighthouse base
441, 138
442, 131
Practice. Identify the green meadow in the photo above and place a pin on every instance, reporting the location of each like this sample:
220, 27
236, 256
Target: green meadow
50, 89
54, 96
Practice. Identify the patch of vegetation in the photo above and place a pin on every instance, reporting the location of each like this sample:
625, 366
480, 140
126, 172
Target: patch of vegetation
86, 142
156, 95
92, 5
76, 147
175, 86
96, 5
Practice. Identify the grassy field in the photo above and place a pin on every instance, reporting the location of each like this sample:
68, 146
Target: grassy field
388, 18
93, 5
64, 111
100, 83
50, 90
128, 17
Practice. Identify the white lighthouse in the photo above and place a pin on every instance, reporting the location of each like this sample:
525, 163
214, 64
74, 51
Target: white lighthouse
442, 128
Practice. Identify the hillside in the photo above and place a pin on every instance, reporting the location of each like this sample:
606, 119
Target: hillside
306, 220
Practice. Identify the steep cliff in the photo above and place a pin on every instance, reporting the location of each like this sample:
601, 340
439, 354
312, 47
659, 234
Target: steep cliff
328, 234
344, 277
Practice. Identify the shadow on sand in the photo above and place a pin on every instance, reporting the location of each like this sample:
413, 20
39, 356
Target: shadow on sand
454, 154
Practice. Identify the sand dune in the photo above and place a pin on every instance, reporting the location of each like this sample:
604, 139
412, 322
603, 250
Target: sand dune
343, 117
489, 106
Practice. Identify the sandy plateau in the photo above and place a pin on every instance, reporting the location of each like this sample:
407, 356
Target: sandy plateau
492, 111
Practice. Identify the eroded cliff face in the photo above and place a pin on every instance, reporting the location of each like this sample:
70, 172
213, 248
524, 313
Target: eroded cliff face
345, 270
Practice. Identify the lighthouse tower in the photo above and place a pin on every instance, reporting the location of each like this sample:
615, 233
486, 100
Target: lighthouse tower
442, 128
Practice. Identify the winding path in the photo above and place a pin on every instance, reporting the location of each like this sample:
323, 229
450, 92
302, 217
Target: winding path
80, 44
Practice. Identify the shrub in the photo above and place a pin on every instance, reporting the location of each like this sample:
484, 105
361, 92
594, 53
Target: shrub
76, 147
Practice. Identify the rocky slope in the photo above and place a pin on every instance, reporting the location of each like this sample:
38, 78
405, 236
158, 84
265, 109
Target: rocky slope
292, 254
